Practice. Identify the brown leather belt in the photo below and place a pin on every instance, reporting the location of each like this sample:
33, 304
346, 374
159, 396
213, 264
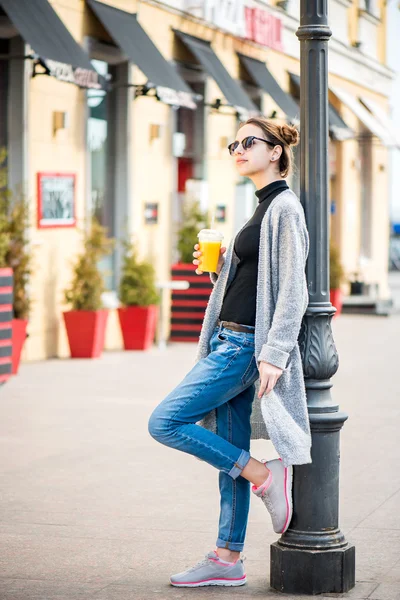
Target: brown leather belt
235, 326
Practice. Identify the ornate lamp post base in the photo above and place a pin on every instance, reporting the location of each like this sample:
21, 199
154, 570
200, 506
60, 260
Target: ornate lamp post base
313, 556
312, 572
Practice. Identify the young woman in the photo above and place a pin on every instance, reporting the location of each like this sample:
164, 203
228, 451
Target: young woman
248, 342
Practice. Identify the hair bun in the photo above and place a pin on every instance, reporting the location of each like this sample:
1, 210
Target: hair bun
290, 134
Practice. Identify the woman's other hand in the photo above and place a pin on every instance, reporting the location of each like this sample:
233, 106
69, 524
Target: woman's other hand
269, 375
197, 254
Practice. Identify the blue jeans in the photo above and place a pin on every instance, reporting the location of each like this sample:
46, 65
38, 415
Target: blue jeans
224, 381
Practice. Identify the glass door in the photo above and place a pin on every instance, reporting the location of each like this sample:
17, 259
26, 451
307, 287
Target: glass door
101, 168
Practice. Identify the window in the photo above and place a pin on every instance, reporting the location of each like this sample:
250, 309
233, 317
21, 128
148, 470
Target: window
338, 19
191, 124
370, 6
101, 171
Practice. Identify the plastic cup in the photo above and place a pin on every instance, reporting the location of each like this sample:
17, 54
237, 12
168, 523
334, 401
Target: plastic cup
210, 246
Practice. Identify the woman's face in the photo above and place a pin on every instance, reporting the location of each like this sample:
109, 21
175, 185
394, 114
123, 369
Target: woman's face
260, 157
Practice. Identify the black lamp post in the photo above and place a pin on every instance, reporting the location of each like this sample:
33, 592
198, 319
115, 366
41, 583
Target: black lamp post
313, 556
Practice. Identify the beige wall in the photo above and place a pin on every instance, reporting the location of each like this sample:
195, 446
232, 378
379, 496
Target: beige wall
53, 248
375, 270
152, 169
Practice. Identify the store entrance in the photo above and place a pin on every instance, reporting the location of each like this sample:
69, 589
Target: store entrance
191, 124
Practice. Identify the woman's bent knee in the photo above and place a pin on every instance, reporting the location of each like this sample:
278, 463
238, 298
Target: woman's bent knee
158, 426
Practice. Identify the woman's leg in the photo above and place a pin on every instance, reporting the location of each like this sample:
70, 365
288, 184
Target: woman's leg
233, 424
211, 383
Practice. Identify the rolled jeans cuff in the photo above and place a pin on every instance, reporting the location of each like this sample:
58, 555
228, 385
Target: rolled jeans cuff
234, 546
239, 464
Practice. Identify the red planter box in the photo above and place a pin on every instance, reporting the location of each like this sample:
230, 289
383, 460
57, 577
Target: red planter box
188, 306
336, 297
138, 326
6, 315
86, 332
18, 339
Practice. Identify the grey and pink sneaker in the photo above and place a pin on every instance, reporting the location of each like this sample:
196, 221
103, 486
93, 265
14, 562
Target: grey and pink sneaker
211, 571
276, 493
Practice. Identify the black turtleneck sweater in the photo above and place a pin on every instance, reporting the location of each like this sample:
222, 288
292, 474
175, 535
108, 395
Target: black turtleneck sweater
239, 303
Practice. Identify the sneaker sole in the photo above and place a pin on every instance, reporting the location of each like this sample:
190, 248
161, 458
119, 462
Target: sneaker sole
288, 497
223, 582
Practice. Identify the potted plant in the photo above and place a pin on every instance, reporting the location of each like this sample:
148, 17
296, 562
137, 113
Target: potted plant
336, 275
139, 298
6, 294
86, 322
188, 306
357, 286
18, 257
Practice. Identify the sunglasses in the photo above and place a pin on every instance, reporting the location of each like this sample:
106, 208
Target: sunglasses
247, 143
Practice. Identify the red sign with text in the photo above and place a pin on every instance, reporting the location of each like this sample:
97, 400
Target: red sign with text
263, 28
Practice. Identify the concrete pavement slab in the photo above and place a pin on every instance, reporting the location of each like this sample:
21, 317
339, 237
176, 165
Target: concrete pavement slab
34, 589
393, 576
377, 551
386, 516
386, 591
68, 560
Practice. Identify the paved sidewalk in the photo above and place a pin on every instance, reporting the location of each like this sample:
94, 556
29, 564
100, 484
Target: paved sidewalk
92, 507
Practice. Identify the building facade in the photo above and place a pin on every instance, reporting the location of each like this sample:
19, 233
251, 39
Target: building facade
124, 109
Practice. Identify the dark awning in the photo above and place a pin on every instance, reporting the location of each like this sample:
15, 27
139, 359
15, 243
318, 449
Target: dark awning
377, 111
233, 92
337, 127
56, 49
128, 34
263, 78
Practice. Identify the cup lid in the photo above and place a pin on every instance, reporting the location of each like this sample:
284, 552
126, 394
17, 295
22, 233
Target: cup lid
211, 234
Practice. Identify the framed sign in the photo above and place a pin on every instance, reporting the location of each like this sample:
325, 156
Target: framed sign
151, 213
56, 199
220, 213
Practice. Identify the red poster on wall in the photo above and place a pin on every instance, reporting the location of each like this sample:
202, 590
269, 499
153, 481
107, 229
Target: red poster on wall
263, 28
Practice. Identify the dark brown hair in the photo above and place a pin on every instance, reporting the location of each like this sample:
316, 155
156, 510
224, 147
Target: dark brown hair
280, 135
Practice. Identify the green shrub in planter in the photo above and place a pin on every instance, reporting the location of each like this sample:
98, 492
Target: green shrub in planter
336, 276
87, 284
137, 285
86, 322
139, 297
193, 220
336, 273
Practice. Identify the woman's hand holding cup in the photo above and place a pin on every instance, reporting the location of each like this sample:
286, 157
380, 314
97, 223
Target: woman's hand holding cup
198, 254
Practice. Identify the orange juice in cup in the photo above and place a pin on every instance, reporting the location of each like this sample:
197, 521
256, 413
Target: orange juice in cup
210, 246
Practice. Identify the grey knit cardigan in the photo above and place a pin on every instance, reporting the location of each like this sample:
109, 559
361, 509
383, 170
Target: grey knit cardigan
282, 299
